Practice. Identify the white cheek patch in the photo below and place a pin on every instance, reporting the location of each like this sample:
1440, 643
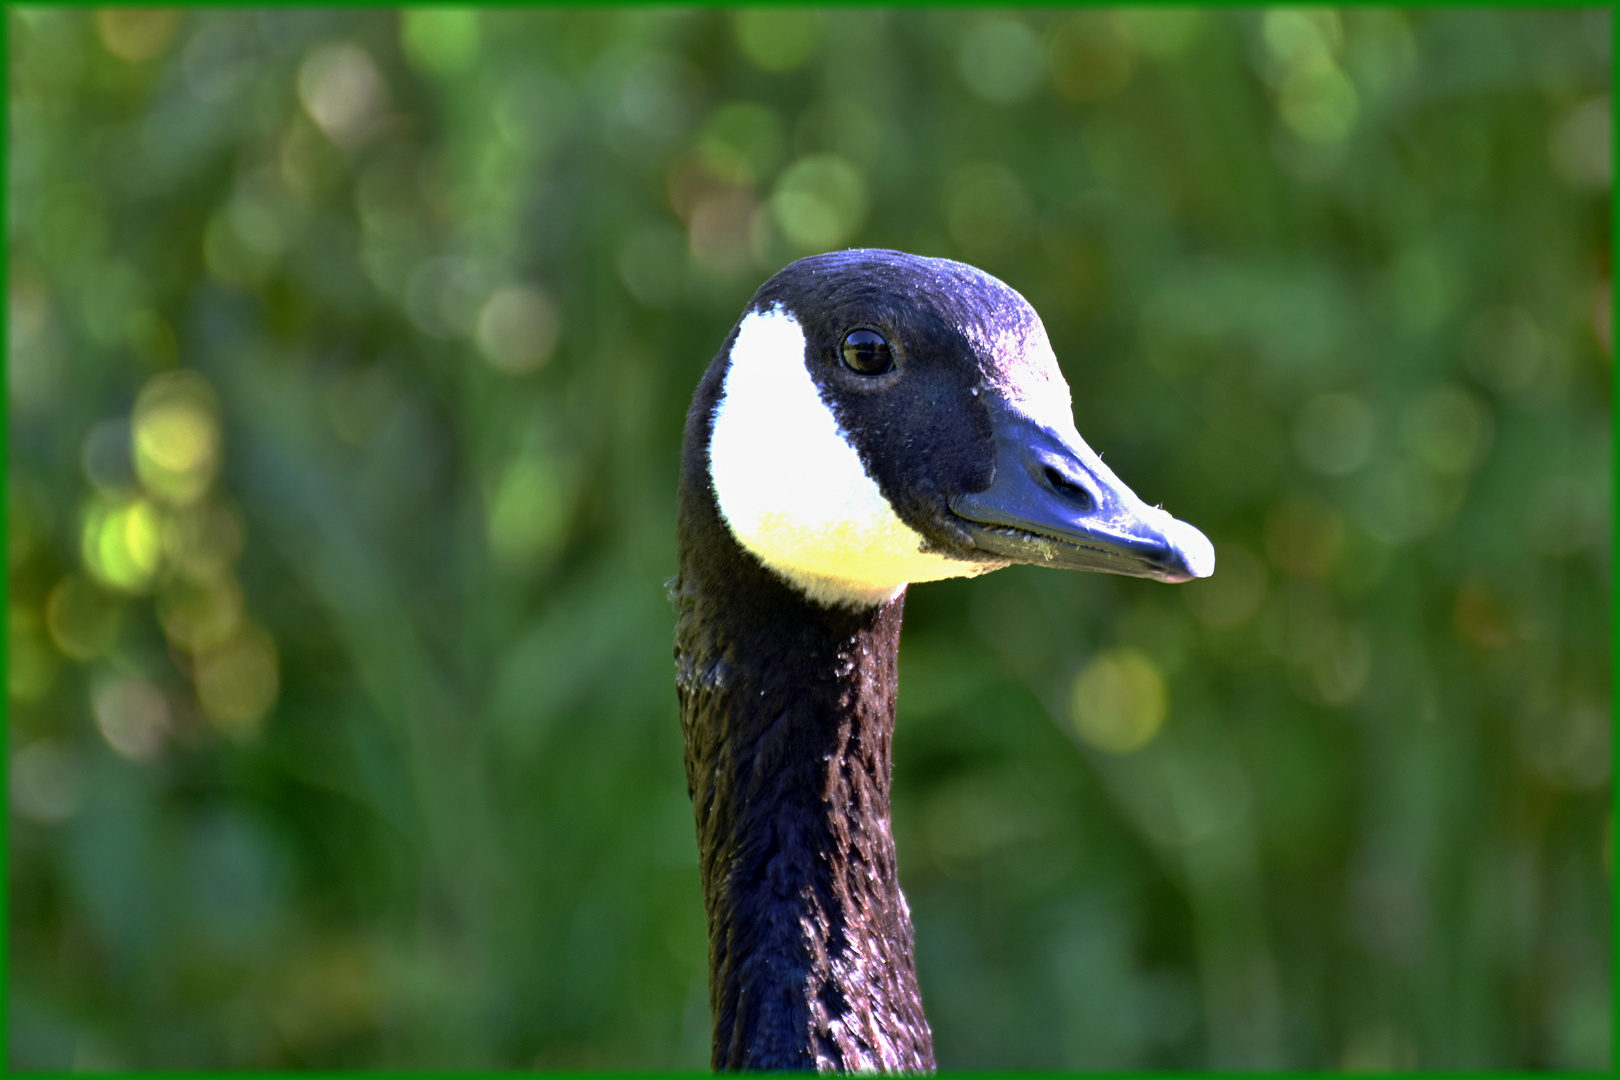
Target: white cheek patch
792, 488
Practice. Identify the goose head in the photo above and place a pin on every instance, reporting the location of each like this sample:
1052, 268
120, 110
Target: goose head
885, 418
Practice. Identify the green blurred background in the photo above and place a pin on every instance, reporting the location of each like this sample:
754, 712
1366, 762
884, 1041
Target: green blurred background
349, 353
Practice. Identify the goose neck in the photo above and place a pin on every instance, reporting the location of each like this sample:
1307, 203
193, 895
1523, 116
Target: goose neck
788, 713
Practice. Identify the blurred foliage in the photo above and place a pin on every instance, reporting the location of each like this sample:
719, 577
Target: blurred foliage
349, 353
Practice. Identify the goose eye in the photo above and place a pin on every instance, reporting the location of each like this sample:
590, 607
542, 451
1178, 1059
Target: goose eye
866, 353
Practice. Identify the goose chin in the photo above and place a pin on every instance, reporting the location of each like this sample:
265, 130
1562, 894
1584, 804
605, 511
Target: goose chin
1184, 559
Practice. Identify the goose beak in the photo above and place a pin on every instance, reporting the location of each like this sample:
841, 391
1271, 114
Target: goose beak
1054, 503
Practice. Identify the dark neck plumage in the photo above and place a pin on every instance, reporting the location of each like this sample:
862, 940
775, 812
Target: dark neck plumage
788, 710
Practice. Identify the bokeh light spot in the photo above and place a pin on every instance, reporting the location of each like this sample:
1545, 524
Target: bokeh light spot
121, 543
742, 143
1300, 36
200, 614
1119, 701
237, 683
1000, 60
1447, 429
136, 34
1582, 145
1318, 101
444, 296
1569, 745
47, 781
820, 202
342, 91
1090, 55
517, 328
177, 436
720, 228
83, 620
1504, 348
440, 40
133, 716
177, 440
529, 512
778, 39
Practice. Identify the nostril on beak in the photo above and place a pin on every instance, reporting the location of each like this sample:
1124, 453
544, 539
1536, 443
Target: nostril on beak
1068, 489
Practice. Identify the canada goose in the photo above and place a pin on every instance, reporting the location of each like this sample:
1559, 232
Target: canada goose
874, 419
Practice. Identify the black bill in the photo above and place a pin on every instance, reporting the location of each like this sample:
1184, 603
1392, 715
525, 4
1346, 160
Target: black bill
1054, 503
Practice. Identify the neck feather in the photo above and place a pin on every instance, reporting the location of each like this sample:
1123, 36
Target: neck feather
788, 710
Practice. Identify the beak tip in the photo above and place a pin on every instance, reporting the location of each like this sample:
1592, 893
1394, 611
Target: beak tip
1197, 553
